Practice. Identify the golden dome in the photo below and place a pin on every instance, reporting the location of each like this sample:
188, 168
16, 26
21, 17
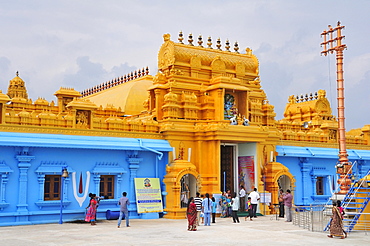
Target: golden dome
128, 96
24, 114
17, 81
41, 101
3, 97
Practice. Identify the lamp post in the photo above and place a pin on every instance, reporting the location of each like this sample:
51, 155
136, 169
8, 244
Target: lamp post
64, 175
334, 44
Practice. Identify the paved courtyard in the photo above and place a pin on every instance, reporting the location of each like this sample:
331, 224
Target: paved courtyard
264, 230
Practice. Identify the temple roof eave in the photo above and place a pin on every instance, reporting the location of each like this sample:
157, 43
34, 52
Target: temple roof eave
227, 86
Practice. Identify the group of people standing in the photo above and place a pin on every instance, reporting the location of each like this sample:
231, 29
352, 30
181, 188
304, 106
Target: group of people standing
199, 207
94, 203
285, 204
203, 208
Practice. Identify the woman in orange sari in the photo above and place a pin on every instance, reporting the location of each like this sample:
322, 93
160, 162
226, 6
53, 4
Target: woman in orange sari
191, 214
336, 223
91, 212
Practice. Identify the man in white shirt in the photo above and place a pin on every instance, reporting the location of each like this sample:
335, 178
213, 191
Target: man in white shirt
242, 198
198, 202
235, 207
254, 202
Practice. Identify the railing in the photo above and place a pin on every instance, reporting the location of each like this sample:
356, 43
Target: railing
117, 81
347, 200
337, 189
316, 218
312, 218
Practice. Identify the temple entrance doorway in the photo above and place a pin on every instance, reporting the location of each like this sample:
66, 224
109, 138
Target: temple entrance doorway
188, 189
227, 169
284, 183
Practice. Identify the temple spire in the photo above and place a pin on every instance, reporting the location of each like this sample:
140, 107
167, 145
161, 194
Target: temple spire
17, 88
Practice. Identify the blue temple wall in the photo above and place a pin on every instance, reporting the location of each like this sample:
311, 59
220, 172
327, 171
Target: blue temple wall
307, 164
26, 158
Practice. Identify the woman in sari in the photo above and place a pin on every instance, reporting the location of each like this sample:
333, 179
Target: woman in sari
223, 204
336, 223
91, 212
191, 214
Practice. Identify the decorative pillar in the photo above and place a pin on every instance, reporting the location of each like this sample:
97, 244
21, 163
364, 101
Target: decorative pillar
96, 179
306, 168
133, 166
118, 191
23, 164
41, 180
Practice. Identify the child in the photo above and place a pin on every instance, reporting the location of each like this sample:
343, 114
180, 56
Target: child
249, 208
201, 213
341, 209
214, 206
229, 211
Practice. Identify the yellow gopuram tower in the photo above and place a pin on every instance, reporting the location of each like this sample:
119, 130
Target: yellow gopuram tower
211, 108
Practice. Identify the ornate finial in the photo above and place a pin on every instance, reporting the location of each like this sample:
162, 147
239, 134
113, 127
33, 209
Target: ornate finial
316, 96
218, 45
209, 43
166, 37
306, 97
181, 37
311, 97
338, 23
17, 73
190, 40
227, 46
146, 71
200, 41
301, 98
139, 73
135, 74
236, 47
297, 99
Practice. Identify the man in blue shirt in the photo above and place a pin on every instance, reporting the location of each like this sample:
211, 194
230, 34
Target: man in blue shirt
123, 203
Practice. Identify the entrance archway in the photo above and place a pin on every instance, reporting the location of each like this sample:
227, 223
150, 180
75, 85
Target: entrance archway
284, 183
188, 184
278, 177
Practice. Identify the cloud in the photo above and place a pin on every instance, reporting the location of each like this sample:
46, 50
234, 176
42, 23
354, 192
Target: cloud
89, 74
79, 44
4, 66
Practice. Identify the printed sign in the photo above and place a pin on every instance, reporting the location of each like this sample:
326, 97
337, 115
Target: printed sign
148, 195
265, 197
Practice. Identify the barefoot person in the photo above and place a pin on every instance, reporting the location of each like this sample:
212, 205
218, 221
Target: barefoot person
91, 212
336, 223
191, 215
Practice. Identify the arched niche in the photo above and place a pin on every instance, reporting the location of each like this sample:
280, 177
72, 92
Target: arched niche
278, 174
176, 172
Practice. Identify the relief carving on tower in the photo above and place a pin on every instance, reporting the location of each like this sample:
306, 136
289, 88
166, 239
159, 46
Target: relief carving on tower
83, 119
218, 65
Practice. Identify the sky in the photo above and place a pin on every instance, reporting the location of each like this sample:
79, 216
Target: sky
80, 44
